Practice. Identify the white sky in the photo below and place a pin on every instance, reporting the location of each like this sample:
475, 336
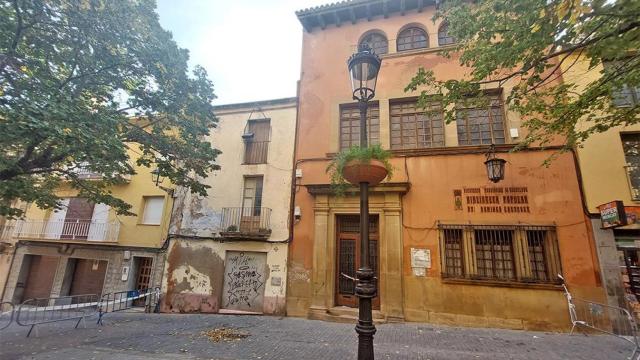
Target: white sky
250, 48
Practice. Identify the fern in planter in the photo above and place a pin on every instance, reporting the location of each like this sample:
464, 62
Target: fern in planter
362, 155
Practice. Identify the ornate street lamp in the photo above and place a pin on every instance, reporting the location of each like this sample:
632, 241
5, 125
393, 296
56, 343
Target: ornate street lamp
363, 70
155, 176
495, 165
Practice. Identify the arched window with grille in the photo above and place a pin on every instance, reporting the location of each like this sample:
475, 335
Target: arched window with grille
412, 38
443, 35
376, 41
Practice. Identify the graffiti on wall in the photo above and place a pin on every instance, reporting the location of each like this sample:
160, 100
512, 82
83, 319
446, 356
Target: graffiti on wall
244, 281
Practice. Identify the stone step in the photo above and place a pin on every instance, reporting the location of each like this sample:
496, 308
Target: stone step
350, 315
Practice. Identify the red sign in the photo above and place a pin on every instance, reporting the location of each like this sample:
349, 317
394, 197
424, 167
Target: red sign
633, 214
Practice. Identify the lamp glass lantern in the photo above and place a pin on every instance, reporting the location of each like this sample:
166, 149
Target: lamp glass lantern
495, 166
363, 71
155, 176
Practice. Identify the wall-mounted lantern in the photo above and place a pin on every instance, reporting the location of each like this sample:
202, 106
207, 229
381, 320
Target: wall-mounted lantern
155, 176
495, 165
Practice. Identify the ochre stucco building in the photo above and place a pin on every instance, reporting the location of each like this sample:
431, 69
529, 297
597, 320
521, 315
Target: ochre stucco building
86, 248
449, 246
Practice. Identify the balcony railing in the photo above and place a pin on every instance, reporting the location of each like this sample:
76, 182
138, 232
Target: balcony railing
246, 222
256, 152
61, 230
633, 175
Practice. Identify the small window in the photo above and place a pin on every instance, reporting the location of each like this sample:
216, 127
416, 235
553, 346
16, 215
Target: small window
376, 41
625, 96
152, 213
350, 125
454, 264
415, 128
412, 38
443, 35
537, 261
631, 147
494, 254
480, 125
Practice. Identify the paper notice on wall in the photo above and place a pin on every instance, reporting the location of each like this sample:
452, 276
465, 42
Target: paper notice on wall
420, 261
420, 258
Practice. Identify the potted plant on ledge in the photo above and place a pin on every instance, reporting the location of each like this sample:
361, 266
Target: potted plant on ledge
357, 165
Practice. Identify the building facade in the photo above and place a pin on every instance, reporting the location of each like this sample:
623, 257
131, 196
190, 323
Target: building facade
86, 248
448, 245
228, 251
610, 169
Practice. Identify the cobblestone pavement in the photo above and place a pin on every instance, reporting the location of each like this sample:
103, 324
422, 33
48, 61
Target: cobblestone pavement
163, 336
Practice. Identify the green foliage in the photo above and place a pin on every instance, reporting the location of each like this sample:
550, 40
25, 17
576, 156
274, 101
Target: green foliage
85, 83
363, 155
529, 45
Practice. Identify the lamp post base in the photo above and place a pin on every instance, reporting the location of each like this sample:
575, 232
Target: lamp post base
365, 291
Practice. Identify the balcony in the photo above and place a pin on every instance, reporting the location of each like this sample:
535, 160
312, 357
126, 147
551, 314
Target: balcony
83, 230
256, 152
246, 223
633, 176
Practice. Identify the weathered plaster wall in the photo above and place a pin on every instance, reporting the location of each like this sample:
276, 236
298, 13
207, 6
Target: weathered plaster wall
195, 271
202, 216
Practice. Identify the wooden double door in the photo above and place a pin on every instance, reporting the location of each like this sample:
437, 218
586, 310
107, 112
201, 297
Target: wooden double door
349, 259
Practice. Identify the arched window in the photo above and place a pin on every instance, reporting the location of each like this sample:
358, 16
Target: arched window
443, 35
376, 41
412, 38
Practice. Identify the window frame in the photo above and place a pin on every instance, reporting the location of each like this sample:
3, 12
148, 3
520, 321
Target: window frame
145, 207
524, 272
256, 151
412, 43
354, 138
467, 124
427, 120
443, 35
631, 95
631, 168
375, 48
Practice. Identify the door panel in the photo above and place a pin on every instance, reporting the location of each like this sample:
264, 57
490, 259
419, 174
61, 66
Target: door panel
78, 219
99, 219
42, 271
56, 221
88, 277
244, 281
348, 257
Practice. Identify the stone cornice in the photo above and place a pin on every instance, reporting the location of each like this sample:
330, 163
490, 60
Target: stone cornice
325, 189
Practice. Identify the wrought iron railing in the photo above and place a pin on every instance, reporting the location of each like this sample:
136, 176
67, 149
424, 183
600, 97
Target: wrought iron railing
246, 220
256, 152
633, 175
64, 229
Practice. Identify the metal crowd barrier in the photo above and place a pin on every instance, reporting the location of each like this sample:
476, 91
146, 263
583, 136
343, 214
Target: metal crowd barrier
6, 314
607, 319
125, 300
39, 311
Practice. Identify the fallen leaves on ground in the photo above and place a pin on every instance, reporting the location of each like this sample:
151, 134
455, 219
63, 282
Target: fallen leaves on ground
224, 334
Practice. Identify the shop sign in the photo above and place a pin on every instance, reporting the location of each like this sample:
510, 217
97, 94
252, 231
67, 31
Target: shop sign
633, 214
612, 214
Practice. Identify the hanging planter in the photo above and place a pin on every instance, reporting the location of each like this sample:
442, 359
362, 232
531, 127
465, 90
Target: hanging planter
357, 165
372, 172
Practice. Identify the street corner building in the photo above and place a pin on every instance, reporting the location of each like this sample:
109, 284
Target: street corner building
447, 244
86, 248
228, 251
610, 169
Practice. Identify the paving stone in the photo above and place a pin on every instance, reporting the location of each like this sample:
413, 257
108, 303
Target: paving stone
139, 336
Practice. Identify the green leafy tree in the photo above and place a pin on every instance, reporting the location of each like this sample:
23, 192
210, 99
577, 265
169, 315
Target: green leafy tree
83, 85
529, 45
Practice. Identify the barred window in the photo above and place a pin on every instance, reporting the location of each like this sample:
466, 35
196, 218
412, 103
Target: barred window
631, 147
509, 253
350, 125
412, 38
494, 254
454, 264
414, 128
479, 125
377, 42
443, 35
